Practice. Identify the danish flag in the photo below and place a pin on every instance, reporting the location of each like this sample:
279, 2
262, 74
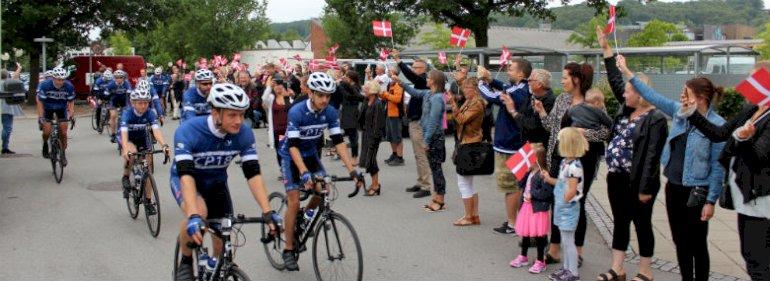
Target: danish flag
459, 36
382, 28
442, 57
333, 49
522, 161
756, 88
237, 56
297, 58
384, 54
611, 21
505, 56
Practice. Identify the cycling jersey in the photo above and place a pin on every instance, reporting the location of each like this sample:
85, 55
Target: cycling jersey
136, 124
156, 106
194, 104
306, 126
55, 98
160, 83
118, 94
211, 151
99, 86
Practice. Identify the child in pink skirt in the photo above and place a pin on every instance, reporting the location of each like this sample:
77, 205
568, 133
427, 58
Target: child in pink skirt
533, 221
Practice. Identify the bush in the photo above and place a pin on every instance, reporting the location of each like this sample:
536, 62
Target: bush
730, 104
610, 102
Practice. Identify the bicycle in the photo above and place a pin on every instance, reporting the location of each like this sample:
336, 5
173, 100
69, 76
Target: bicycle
55, 152
223, 267
325, 223
101, 120
140, 179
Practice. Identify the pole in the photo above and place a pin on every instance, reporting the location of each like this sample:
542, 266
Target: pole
44, 59
615, 35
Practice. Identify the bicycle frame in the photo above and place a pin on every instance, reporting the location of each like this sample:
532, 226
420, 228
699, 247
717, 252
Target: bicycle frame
328, 193
222, 229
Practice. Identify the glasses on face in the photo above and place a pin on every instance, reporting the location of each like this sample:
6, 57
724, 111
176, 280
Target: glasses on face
206, 84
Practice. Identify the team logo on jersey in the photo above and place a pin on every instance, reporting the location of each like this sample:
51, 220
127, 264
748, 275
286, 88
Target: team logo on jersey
180, 145
229, 142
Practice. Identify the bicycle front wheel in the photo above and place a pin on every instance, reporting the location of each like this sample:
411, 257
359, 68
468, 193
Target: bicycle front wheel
337, 251
56, 164
151, 206
274, 249
236, 274
134, 199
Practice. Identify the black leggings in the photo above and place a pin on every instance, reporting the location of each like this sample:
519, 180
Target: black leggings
436, 157
689, 232
755, 245
626, 208
352, 135
277, 149
590, 163
540, 243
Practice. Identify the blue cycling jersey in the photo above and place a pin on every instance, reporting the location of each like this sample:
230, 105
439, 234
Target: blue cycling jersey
211, 151
307, 126
156, 106
136, 124
194, 104
160, 83
118, 92
55, 98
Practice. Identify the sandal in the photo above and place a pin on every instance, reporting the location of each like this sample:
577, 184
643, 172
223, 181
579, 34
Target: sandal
611, 275
465, 221
430, 209
551, 260
642, 277
371, 191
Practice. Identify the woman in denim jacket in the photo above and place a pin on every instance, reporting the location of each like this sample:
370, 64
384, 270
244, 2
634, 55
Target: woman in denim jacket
691, 165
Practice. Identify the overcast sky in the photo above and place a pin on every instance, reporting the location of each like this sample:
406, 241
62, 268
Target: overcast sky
292, 10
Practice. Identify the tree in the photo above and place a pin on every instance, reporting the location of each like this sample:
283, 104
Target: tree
656, 33
764, 49
585, 33
120, 44
439, 38
291, 35
349, 23
475, 15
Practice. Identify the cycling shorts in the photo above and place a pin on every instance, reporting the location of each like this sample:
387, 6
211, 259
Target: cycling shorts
292, 179
61, 113
216, 196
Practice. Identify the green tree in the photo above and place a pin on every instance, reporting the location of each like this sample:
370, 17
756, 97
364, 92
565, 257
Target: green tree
291, 34
349, 23
585, 33
655, 33
120, 44
764, 49
438, 38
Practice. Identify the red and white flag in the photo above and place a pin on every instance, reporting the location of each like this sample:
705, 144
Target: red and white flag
284, 63
382, 28
297, 57
442, 57
179, 62
236, 65
384, 54
333, 49
459, 36
521, 161
611, 21
237, 57
203, 63
756, 88
504, 56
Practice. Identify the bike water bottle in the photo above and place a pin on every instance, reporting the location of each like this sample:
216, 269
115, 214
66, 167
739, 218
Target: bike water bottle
308, 218
211, 264
203, 260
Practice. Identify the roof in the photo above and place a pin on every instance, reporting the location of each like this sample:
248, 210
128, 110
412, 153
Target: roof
499, 36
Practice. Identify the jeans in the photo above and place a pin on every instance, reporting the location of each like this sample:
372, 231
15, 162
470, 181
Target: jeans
436, 157
7, 120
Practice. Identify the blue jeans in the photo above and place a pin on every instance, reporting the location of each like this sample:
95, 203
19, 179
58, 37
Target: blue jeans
7, 120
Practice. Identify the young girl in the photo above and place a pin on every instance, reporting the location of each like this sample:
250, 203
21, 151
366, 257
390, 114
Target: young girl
533, 221
567, 192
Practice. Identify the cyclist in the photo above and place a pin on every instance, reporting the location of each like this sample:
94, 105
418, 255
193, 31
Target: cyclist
98, 89
156, 105
306, 124
133, 135
194, 100
55, 99
117, 91
204, 146
160, 83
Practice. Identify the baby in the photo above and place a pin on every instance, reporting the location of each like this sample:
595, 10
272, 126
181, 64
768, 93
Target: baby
591, 114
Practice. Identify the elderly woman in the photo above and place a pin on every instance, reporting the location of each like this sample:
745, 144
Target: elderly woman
468, 118
637, 138
372, 123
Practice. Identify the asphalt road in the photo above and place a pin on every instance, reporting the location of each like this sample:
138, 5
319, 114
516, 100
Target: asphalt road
80, 229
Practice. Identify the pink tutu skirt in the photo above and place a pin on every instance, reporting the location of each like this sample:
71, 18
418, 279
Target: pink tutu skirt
531, 224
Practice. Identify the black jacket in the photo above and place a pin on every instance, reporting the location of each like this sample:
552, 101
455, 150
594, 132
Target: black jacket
414, 110
530, 122
649, 136
351, 101
540, 191
752, 156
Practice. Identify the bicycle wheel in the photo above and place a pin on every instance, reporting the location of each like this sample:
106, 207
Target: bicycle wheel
95, 120
153, 220
334, 258
274, 249
103, 122
56, 164
236, 274
177, 260
134, 199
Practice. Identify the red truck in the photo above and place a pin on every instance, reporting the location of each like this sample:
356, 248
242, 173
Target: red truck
82, 78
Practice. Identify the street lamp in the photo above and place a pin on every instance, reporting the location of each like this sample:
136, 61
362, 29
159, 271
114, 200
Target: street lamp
43, 40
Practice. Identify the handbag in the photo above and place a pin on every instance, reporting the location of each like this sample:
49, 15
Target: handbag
726, 196
473, 159
697, 197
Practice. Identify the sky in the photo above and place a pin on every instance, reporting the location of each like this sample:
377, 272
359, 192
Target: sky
293, 10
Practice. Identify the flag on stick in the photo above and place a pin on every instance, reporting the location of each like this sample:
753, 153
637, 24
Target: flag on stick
756, 88
521, 161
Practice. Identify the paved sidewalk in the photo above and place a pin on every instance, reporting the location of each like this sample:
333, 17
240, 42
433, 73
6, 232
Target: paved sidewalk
724, 247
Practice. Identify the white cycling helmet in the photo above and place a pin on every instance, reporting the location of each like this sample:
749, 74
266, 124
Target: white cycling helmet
321, 82
48, 73
204, 74
141, 94
107, 75
59, 73
120, 74
158, 71
226, 95
143, 84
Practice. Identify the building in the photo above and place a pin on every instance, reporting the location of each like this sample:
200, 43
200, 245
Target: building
318, 39
271, 51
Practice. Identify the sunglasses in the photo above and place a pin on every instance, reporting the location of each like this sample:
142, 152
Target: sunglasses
206, 84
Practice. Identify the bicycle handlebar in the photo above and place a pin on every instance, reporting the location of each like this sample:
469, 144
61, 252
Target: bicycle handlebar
240, 219
143, 153
323, 180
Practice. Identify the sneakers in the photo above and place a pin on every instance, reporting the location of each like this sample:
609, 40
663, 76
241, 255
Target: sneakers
397, 161
113, 138
7, 151
150, 208
290, 260
126, 186
390, 159
184, 272
45, 150
538, 267
422, 193
568, 276
414, 188
505, 229
519, 261
557, 275
63, 159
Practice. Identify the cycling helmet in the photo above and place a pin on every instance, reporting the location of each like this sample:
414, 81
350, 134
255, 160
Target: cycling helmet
143, 84
229, 96
59, 73
321, 82
120, 74
158, 71
107, 75
141, 94
204, 74
48, 74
